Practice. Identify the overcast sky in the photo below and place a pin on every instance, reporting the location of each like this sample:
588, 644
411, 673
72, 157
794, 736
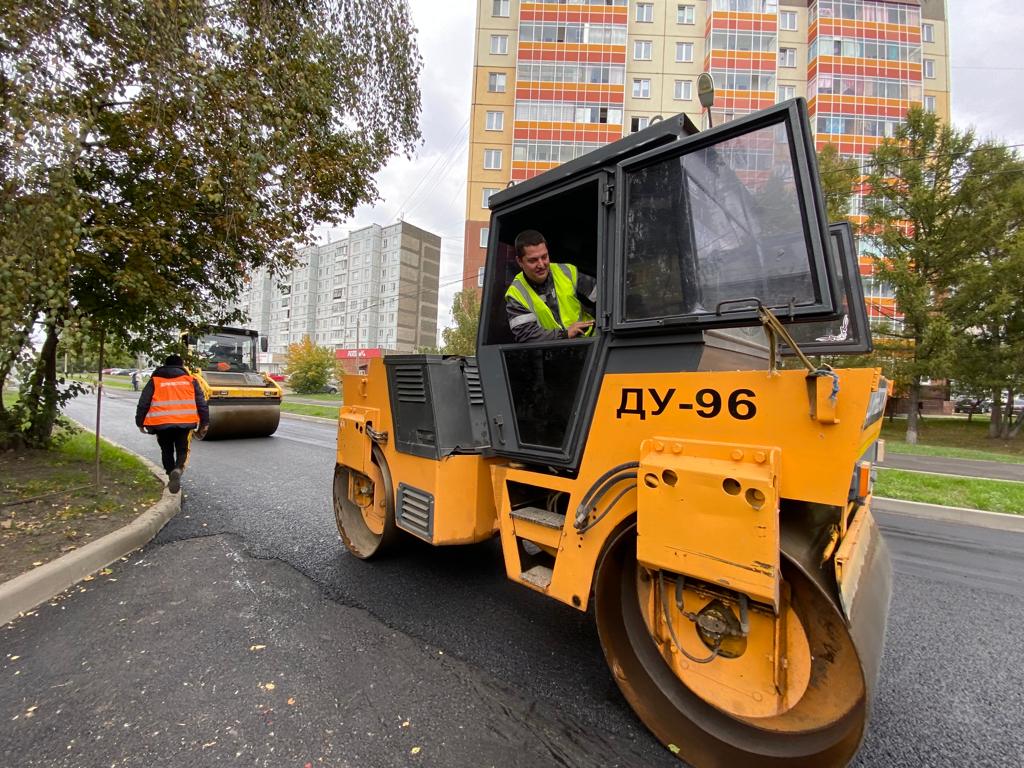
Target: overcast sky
429, 190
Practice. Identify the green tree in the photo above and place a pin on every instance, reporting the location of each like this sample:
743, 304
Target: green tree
460, 339
309, 367
987, 307
177, 148
838, 176
921, 224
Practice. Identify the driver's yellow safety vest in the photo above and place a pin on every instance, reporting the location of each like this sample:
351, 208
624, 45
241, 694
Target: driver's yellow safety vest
569, 307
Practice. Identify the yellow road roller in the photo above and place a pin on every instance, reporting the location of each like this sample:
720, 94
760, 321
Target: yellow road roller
243, 401
711, 505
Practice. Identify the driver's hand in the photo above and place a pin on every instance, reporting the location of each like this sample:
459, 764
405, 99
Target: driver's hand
578, 329
142, 430
201, 432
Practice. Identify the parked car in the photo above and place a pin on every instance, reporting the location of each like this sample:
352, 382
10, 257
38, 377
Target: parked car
278, 376
973, 405
330, 388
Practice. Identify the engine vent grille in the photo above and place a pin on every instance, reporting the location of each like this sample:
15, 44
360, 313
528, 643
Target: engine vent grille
416, 511
411, 384
473, 388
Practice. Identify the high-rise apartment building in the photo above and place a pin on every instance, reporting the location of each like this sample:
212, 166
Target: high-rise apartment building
376, 290
553, 80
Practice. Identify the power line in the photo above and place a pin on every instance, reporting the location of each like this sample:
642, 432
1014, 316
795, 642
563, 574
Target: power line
454, 143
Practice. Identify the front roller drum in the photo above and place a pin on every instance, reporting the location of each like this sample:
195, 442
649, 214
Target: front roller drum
236, 420
364, 507
822, 726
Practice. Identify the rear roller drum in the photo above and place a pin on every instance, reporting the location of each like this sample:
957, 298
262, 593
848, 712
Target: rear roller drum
699, 702
364, 507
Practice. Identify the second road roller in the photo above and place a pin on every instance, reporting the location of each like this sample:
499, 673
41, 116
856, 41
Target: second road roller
244, 402
710, 504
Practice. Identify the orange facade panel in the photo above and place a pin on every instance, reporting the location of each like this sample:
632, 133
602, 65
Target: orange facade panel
745, 60
861, 106
868, 30
570, 92
841, 65
570, 134
556, 13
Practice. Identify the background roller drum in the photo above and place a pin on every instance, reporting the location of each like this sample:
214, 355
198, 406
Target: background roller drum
229, 419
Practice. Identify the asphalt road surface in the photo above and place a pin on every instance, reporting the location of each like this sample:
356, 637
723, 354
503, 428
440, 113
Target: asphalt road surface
432, 657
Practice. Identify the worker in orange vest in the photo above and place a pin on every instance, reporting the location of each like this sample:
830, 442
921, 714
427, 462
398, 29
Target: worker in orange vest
171, 406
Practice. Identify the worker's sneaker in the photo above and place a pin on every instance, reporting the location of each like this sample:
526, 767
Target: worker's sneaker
174, 480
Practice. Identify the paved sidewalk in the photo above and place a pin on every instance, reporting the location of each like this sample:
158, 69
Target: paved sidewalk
994, 470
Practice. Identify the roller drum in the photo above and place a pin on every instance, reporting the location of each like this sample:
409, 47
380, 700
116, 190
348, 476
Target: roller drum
235, 420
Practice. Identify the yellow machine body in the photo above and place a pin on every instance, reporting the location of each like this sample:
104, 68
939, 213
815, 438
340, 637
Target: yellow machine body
714, 512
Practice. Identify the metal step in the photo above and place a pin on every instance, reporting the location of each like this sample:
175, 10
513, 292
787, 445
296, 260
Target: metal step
540, 516
539, 576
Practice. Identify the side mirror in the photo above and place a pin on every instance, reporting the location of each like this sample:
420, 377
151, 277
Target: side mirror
264, 344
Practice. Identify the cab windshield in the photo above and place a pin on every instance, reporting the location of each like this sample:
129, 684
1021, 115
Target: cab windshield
226, 352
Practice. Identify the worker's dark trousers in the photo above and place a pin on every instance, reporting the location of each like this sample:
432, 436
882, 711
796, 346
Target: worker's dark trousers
173, 443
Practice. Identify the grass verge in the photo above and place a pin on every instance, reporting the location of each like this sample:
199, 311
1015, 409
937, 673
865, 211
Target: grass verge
970, 493
334, 399
49, 503
323, 411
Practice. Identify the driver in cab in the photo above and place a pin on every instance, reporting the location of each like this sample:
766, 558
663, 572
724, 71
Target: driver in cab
546, 300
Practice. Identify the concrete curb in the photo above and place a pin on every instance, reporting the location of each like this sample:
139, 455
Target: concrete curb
25, 592
994, 520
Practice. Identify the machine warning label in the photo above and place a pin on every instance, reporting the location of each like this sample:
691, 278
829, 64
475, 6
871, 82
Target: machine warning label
706, 403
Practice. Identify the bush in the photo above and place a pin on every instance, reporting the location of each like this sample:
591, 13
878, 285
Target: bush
309, 367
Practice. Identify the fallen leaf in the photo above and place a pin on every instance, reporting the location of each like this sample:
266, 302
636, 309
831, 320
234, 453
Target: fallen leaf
88, 578
414, 751
38, 562
257, 647
15, 658
291, 702
673, 749
6, 523
405, 724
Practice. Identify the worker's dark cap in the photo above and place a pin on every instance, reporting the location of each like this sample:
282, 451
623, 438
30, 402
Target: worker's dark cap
174, 360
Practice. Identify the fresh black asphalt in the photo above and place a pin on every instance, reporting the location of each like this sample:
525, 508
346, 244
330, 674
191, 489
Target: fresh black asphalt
431, 657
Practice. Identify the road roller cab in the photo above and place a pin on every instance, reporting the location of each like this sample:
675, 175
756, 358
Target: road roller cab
243, 401
713, 509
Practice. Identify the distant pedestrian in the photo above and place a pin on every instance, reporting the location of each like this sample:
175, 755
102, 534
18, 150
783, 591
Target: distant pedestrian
135, 381
171, 406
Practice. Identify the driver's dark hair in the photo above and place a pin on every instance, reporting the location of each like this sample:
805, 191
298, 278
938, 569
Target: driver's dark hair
526, 238
174, 360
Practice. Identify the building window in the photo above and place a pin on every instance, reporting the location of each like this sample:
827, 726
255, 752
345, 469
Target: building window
684, 51
500, 8
684, 14
928, 33
929, 68
486, 197
929, 103
683, 90
480, 278
787, 57
499, 44
641, 88
645, 12
642, 50
496, 82
495, 120
787, 20
484, 234
638, 124
492, 159
787, 92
